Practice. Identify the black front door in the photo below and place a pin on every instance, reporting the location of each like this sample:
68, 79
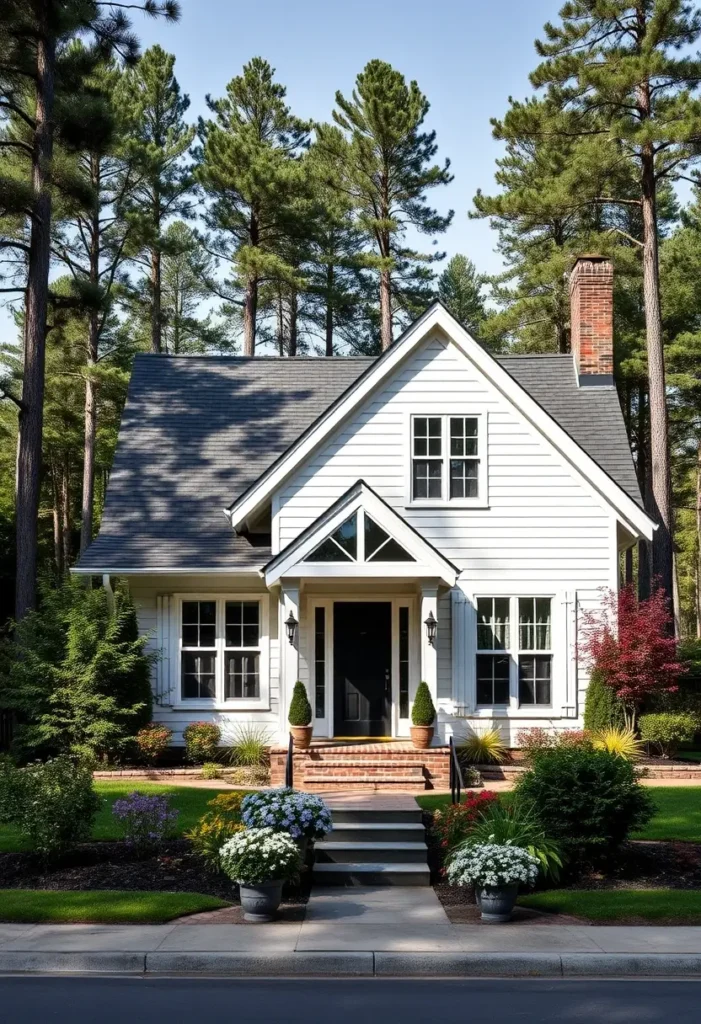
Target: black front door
362, 660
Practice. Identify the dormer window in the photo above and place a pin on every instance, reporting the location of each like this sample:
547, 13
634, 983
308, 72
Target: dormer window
447, 459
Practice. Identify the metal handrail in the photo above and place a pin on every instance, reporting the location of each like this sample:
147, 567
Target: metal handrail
455, 774
289, 765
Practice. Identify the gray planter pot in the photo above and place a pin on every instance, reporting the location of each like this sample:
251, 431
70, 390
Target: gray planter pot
260, 902
497, 903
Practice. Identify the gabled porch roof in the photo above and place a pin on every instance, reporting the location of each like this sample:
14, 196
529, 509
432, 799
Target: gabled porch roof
360, 500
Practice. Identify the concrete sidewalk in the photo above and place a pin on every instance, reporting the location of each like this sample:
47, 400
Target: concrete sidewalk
351, 932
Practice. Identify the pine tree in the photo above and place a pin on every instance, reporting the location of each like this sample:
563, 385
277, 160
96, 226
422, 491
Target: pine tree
41, 91
158, 146
460, 289
387, 159
616, 66
249, 167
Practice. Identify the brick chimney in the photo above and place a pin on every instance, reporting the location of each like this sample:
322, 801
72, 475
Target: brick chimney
591, 320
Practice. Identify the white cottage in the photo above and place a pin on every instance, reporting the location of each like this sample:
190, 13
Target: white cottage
361, 524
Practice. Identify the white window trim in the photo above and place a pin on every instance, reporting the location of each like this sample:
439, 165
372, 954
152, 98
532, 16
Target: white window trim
481, 500
558, 651
218, 703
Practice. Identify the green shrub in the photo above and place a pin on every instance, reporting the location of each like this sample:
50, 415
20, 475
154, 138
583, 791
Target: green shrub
210, 770
152, 741
300, 708
518, 824
423, 712
250, 746
201, 741
602, 708
665, 731
77, 675
52, 804
587, 800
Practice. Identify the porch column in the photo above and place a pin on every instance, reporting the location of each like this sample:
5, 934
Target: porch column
429, 653
289, 653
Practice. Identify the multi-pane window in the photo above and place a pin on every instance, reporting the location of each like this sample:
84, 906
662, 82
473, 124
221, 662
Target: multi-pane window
493, 637
535, 650
504, 651
445, 458
220, 650
241, 650
198, 655
344, 544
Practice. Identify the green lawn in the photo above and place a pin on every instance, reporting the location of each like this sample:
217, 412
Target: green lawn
106, 906
190, 801
678, 812
670, 906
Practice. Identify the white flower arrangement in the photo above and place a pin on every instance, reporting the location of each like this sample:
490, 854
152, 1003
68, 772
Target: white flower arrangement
303, 815
260, 855
490, 866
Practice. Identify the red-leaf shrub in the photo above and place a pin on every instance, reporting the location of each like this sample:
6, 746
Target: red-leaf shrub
632, 645
451, 826
532, 741
152, 741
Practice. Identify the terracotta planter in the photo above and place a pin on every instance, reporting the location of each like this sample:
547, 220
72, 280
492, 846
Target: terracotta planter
422, 736
302, 736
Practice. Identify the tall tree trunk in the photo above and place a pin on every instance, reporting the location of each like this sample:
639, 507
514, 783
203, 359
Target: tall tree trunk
292, 347
661, 490
328, 325
643, 468
90, 433
57, 517
250, 307
385, 309
698, 540
65, 485
31, 413
280, 313
156, 286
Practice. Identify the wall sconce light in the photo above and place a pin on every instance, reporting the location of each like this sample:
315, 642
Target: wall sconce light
291, 627
431, 625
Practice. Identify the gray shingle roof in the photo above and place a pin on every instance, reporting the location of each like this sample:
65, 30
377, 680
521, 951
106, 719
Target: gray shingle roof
199, 431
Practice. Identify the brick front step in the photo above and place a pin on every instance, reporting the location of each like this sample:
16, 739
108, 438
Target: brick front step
373, 783
363, 766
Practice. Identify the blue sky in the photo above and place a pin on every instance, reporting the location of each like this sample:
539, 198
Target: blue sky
468, 58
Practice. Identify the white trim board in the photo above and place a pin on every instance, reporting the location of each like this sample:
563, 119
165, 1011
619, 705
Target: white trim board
438, 319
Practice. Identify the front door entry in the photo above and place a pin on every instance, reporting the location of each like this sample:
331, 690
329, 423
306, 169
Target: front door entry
362, 659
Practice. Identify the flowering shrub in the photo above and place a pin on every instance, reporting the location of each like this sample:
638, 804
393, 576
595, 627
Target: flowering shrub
51, 803
452, 825
145, 820
631, 644
260, 855
153, 741
216, 827
488, 865
303, 815
201, 741
532, 741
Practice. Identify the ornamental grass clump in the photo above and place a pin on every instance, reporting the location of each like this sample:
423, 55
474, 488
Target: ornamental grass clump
146, 821
619, 741
492, 866
259, 855
484, 748
302, 815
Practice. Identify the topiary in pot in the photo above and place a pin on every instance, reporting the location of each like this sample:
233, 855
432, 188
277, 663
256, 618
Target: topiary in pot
300, 717
423, 715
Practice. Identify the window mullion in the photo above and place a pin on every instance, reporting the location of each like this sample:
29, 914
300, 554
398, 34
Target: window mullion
514, 647
219, 660
445, 453
361, 528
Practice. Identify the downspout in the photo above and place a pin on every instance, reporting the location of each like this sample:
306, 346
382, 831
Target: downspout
109, 592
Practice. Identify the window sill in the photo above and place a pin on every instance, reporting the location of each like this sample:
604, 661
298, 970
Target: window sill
229, 705
461, 503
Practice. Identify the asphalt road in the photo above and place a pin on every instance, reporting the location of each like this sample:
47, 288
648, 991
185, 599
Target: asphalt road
99, 1000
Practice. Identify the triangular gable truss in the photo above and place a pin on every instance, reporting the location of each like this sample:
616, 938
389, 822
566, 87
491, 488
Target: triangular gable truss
632, 517
360, 535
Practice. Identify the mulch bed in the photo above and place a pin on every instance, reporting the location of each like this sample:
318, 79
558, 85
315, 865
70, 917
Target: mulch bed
112, 865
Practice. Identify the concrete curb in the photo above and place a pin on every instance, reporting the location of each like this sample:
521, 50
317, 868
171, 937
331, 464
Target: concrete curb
365, 964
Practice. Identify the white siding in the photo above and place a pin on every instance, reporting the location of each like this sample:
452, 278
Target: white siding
543, 528
152, 596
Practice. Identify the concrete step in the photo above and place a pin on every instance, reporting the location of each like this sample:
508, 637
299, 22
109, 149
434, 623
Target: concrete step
344, 815
376, 832
332, 852
368, 873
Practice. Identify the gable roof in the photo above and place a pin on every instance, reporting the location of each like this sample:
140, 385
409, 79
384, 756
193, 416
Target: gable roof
428, 560
199, 431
